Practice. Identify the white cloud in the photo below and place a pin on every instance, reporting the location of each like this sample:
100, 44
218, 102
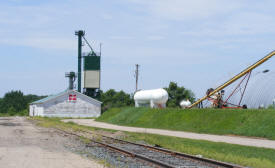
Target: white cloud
121, 37
186, 9
249, 23
106, 16
42, 42
240, 24
41, 26
31, 15
155, 38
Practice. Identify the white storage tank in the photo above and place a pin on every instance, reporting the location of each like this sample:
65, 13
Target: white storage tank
156, 98
185, 103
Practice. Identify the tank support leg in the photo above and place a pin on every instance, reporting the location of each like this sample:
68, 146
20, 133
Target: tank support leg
136, 104
152, 105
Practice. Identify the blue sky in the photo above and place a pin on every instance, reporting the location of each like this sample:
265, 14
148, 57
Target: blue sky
197, 44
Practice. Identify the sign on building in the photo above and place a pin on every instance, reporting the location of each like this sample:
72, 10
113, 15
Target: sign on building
72, 97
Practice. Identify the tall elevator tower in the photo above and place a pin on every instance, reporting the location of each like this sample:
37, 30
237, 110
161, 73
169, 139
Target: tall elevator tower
91, 68
80, 34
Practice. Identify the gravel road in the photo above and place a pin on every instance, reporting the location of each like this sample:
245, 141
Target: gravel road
23, 145
215, 138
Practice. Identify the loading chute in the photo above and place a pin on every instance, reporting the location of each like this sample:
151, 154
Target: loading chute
216, 95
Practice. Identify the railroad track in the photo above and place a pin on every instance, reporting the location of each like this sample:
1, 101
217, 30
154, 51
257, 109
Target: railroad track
154, 156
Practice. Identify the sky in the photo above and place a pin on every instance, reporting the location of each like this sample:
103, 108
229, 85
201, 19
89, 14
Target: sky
198, 44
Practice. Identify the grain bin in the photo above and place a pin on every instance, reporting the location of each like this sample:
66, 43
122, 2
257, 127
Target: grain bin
92, 71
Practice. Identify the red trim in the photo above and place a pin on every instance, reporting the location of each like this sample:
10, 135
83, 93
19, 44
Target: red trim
235, 89
249, 74
231, 107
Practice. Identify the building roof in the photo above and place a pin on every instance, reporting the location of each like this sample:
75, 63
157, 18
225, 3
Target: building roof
48, 98
51, 97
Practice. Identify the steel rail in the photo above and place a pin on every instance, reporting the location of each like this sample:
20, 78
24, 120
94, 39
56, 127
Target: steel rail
238, 76
156, 162
125, 152
172, 153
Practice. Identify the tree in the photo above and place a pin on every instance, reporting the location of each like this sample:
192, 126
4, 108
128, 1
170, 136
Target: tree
111, 98
177, 94
122, 99
31, 98
13, 100
1, 104
16, 102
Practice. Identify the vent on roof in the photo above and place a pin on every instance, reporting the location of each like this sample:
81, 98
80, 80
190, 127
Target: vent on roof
72, 77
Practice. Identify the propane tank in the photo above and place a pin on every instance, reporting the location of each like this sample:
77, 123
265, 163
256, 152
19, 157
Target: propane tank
156, 97
185, 103
261, 106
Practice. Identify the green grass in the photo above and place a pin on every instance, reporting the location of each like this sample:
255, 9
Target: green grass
5, 115
57, 123
242, 155
257, 123
9, 114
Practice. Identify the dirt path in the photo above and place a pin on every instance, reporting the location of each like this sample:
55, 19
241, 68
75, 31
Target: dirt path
215, 138
23, 145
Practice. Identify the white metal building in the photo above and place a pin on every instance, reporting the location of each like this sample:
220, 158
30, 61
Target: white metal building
69, 103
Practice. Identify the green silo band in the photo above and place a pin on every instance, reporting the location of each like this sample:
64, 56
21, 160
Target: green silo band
91, 63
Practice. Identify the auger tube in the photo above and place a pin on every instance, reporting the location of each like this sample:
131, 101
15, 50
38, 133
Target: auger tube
238, 76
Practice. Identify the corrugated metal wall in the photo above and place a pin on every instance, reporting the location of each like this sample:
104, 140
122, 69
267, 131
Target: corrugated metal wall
62, 107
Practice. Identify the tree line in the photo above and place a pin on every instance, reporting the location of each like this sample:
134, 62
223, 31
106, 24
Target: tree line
15, 102
112, 98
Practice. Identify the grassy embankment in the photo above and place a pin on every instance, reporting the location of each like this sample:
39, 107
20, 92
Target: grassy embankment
257, 123
12, 113
246, 156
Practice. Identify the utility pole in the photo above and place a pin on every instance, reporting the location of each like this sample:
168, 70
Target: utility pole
136, 75
80, 34
100, 47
